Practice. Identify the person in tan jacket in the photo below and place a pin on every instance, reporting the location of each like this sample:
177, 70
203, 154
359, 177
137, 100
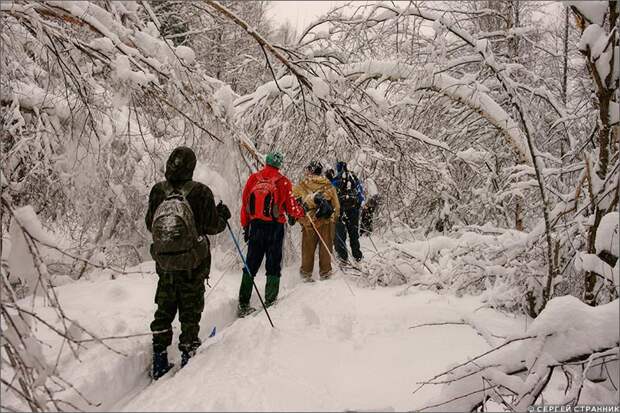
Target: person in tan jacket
322, 209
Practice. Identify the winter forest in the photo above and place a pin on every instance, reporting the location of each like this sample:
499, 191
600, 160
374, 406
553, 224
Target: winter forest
487, 134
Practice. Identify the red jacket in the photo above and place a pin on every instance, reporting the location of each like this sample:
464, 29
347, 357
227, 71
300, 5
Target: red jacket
285, 200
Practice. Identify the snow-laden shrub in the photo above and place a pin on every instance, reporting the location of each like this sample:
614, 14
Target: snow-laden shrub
568, 355
30, 380
485, 260
93, 101
499, 264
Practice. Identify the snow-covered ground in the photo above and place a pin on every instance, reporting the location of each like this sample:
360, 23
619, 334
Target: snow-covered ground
332, 349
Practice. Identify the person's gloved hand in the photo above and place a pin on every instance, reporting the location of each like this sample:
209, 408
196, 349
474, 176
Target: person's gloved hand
246, 233
223, 211
319, 198
302, 204
291, 220
324, 209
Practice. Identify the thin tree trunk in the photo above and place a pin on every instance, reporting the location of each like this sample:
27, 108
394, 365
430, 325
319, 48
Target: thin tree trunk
565, 59
603, 161
564, 90
518, 217
604, 92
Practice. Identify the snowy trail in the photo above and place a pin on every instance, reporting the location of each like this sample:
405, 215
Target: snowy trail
330, 350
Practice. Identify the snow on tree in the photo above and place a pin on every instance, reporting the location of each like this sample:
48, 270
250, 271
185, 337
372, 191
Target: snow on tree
491, 135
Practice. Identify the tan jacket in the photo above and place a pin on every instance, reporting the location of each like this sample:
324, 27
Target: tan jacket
307, 188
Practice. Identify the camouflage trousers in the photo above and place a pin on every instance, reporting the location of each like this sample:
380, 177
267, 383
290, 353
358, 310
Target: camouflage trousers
182, 291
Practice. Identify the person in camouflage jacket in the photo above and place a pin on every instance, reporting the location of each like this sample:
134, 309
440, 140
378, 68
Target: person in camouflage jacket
182, 291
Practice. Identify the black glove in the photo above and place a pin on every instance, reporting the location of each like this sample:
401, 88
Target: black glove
319, 198
324, 209
246, 233
223, 211
303, 205
291, 220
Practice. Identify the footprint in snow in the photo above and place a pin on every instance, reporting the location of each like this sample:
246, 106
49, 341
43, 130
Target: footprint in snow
120, 327
117, 293
310, 315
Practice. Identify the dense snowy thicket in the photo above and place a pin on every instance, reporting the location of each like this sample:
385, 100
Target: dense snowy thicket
490, 129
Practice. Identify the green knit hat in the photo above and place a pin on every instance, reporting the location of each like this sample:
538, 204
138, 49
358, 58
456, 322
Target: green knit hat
274, 159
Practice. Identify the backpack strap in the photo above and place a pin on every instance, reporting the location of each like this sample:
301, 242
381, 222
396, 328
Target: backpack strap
275, 181
168, 189
354, 180
184, 189
344, 180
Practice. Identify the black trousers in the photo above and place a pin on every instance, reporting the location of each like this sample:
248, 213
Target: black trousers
348, 224
266, 240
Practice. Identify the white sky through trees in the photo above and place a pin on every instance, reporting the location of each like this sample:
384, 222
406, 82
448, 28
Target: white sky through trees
300, 13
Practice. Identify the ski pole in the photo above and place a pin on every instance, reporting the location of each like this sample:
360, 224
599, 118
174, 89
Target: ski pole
245, 264
373, 243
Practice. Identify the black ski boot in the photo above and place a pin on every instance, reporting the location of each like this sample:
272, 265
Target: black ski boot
185, 356
244, 310
161, 365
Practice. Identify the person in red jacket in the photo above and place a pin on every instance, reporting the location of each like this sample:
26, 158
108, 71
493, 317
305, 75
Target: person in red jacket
267, 199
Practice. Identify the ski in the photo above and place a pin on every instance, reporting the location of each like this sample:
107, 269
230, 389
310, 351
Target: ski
174, 369
351, 269
283, 296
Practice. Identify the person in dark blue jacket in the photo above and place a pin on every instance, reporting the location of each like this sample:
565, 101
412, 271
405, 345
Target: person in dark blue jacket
351, 196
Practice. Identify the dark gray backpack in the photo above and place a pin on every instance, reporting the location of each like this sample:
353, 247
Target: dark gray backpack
175, 238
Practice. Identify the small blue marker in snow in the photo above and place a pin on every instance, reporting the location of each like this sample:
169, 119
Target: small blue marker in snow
212, 332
